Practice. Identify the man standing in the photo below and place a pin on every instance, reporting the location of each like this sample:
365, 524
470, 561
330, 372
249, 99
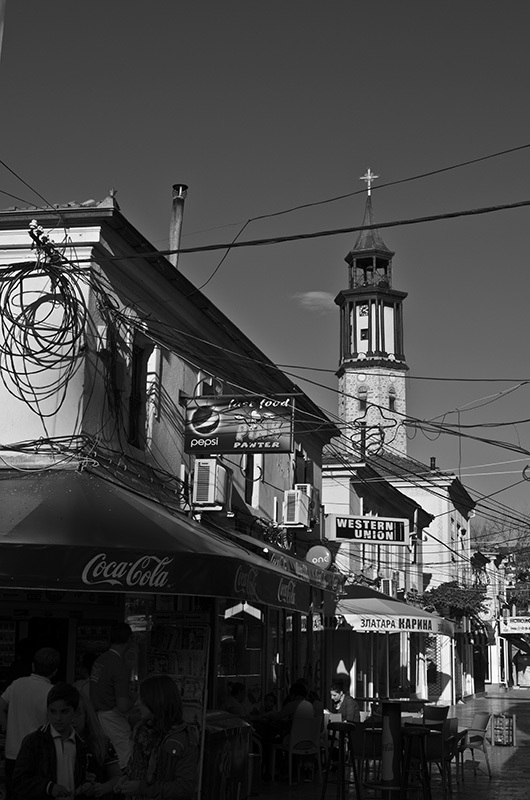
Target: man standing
23, 706
343, 703
110, 692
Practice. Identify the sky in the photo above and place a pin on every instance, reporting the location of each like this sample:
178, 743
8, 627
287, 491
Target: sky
263, 107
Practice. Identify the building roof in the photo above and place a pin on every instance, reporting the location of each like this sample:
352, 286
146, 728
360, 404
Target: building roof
370, 240
396, 467
401, 467
185, 320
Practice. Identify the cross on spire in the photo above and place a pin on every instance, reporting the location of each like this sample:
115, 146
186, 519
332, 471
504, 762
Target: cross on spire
369, 177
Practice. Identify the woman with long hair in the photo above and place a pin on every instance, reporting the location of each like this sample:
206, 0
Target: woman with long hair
164, 759
89, 729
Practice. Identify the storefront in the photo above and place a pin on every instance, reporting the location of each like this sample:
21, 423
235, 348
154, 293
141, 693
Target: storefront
378, 644
79, 553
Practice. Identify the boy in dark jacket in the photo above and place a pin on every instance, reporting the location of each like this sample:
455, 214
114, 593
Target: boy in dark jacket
54, 761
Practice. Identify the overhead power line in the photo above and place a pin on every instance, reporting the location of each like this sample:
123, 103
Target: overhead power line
318, 234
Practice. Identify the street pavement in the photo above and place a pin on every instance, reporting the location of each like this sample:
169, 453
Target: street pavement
510, 766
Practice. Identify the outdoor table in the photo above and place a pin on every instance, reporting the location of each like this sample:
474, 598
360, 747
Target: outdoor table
342, 731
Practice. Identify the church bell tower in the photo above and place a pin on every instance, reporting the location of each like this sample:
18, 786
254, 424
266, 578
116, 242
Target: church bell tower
372, 398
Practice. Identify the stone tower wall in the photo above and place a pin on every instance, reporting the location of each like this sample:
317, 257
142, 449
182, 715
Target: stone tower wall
375, 384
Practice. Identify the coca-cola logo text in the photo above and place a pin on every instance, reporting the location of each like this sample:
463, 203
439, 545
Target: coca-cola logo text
287, 592
147, 571
246, 583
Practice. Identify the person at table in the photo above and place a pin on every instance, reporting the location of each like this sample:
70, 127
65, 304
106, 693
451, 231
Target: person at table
343, 703
236, 699
274, 726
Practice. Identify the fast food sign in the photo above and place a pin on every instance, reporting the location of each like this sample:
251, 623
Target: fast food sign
239, 424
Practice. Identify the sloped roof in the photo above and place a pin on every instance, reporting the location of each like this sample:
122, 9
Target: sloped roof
370, 240
109, 202
186, 322
404, 468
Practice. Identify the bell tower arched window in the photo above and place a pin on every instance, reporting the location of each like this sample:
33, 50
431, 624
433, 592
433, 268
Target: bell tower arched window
362, 395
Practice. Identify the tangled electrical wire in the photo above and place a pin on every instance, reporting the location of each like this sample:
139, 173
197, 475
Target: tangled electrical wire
43, 314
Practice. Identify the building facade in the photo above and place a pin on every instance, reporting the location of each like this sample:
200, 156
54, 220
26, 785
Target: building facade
118, 375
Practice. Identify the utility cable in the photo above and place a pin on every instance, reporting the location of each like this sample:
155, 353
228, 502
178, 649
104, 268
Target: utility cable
317, 234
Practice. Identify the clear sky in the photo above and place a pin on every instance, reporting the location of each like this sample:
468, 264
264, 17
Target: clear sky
265, 106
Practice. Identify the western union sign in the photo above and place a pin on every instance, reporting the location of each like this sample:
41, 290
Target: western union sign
376, 530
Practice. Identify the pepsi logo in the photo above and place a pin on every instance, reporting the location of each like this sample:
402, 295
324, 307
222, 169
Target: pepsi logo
205, 420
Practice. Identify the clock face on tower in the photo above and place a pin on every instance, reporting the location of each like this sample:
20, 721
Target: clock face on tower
363, 311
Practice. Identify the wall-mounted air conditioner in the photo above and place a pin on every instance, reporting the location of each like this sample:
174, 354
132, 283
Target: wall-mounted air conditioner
211, 485
295, 509
307, 489
388, 586
314, 499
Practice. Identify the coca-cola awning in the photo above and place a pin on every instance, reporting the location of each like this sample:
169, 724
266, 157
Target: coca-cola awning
70, 530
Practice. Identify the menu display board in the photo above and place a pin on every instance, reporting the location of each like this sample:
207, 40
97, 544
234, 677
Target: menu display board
178, 646
92, 637
503, 728
7, 649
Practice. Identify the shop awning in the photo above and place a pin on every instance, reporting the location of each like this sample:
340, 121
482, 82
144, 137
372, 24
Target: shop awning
518, 643
368, 611
69, 530
315, 576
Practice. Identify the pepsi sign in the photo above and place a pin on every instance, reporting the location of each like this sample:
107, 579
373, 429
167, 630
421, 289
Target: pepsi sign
239, 424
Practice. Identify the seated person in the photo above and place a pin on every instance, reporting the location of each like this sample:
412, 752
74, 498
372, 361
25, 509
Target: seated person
236, 699
343, 703
276, 725
269, 702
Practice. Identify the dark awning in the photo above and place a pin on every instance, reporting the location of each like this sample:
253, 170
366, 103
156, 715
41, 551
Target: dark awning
70, 530
368, 611
518, 642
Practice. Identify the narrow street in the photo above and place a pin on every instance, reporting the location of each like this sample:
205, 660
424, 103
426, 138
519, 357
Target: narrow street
510, 766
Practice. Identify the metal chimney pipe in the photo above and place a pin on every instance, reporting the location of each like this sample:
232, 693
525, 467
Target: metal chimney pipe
180, 190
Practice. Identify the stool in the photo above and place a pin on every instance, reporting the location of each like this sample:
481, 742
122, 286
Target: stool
341, 731
415, 738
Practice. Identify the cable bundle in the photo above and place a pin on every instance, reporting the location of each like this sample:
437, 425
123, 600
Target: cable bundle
43, 314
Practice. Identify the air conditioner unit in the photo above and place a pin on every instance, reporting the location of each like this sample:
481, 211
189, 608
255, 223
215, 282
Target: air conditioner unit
388, 587
295, 509
314, 498
211, 485
306, 488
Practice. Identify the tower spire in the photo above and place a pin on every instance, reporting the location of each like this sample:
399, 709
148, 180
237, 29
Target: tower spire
372, 367
369, 239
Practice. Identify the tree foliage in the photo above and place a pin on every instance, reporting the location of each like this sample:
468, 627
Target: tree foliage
450, 600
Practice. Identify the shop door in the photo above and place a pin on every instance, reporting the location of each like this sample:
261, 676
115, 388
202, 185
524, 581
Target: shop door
48, 632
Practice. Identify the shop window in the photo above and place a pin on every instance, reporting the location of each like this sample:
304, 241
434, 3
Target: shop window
241, 647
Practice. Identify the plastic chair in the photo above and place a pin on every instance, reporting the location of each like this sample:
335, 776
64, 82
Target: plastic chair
324, 735
434, 715
305, 709
304, 740
475, 740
